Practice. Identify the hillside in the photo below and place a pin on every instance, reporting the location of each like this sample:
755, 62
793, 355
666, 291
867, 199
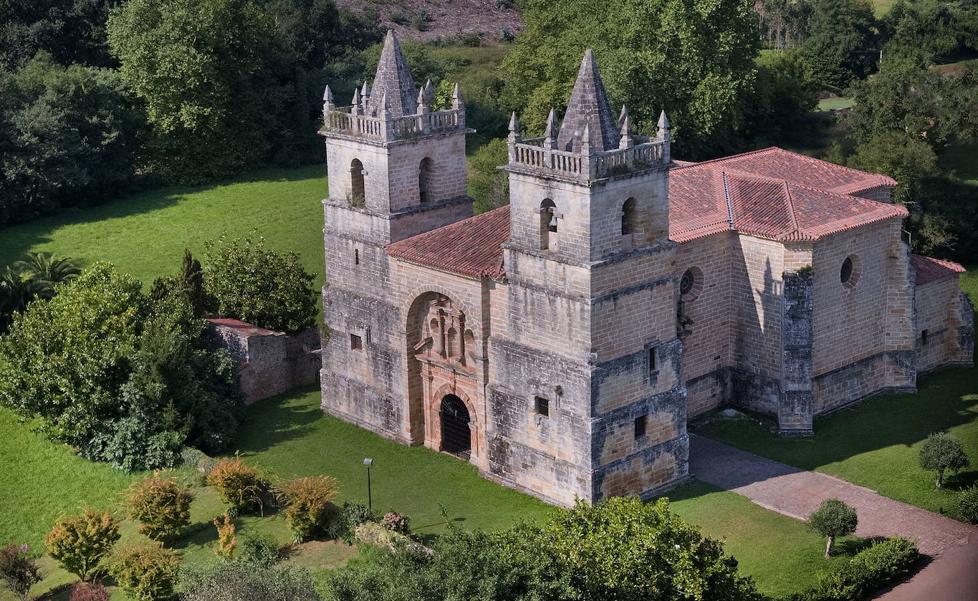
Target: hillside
438, 19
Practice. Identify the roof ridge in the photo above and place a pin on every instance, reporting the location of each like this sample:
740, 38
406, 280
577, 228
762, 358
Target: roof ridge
719, 159
846, 167
791, 206
726, 198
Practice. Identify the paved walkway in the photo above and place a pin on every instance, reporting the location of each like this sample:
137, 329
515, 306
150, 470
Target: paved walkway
952, 573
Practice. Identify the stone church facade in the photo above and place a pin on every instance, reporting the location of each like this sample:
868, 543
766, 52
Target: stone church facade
562, 343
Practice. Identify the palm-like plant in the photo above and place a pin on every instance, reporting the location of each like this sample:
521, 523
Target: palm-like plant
46, 271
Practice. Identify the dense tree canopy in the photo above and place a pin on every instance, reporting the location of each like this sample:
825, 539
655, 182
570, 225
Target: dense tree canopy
621, 549
71, 31
931, 30
843, 41
693, 58
68, 136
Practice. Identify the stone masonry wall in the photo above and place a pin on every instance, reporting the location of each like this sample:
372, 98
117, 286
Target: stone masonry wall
941, 317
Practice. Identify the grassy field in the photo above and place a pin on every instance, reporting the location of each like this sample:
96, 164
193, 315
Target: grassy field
835, 103
146, 234
289, 436
961, 161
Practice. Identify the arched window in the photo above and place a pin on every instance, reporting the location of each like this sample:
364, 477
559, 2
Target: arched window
629, 217
357, 193
424, 179
548, 222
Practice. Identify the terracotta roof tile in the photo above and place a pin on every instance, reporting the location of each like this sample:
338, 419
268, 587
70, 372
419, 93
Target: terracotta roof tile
241, 327
770, 193
471, 247
930, 269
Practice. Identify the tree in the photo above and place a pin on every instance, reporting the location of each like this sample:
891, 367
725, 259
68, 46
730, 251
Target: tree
68, 136
124, 378
71, 31
19, 570
843, 41
81, 542
779, 104
926, 31
906, 159
942, 453
618, 549
246, 581
833, 518
199, 68
256, 284
489, 185
692, 58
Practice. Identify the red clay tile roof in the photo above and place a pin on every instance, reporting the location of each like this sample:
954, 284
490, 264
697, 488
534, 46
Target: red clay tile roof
471, 247
241, 327
930, 269
769, 193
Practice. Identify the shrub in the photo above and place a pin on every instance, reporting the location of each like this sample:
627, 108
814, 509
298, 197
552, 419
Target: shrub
88, 591
244, 581
308, 505
238, 483
396, 522
256, 284
18, 569
146, 572
942, 453
865, 573
226, 539
833, 518
350, 516
259, 549
198, 460
968, 505
80, 542
161, 506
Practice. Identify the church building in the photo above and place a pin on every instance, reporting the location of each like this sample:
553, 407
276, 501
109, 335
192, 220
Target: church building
562, 343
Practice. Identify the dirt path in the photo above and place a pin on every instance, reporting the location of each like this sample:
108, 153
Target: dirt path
952, 573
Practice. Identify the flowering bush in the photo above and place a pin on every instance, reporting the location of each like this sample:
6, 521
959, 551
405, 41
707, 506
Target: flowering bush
396, 522
239, 484
308, 507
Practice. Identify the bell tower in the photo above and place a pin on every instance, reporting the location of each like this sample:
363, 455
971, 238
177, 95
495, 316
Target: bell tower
396, 169
591, 320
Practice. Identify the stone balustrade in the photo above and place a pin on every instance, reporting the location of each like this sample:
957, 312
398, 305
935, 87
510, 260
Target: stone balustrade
343, 120
534, 155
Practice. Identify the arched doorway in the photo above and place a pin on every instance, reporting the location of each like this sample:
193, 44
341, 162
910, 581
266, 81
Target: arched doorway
456, 436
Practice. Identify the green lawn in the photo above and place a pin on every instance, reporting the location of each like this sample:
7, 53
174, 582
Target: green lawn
876, 443
835, 103
782, 554
961, 161
145, 234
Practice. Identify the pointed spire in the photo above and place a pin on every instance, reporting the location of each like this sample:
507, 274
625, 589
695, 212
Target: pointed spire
589, 104
457, 101
355, 109
663, 123
514, 128
428, 91
393, 77
328, 102
550, 133
365, 90
586, 136
626, 140
622, 115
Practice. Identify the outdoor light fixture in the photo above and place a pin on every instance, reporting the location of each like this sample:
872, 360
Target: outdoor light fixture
367, 461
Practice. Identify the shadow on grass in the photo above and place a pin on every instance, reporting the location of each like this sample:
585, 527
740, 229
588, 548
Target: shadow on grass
944, 400
275, 420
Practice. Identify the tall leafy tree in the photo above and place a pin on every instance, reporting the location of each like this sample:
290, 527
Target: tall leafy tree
68, 136
843, 41
71, 31
693, 58
931, 30
200, 68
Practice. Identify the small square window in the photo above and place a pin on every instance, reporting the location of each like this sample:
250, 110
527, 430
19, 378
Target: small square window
652, 360
356, 256
541, 406
640, 426
356, 343
923, 337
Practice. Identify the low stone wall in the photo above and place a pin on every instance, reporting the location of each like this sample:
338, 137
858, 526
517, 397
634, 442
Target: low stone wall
269, 362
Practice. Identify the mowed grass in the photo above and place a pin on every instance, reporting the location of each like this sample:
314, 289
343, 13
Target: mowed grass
877, 443
145, 234
835, 103
961, 161
783, 555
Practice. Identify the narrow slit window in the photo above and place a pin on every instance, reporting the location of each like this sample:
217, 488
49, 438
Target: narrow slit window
640, 426
356, 343
652, 360
541, 406
923, 337
356, 256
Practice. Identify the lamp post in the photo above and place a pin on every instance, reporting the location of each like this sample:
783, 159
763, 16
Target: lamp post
367, 461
